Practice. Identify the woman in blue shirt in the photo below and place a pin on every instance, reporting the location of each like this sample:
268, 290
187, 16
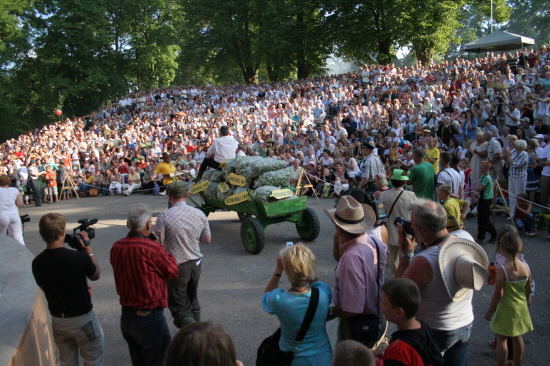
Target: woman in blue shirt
299, 263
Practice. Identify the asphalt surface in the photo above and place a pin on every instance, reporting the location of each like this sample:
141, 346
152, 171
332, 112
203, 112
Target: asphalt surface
233, 281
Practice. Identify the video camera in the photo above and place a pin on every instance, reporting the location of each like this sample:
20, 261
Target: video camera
377, 206
368, 198
25, 218
73, 239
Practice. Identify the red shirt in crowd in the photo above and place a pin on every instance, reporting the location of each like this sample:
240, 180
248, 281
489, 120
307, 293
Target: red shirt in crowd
141, 267
123, 168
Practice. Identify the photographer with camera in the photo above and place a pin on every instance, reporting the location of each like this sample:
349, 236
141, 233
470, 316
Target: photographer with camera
62, 273
446, 304
397, 200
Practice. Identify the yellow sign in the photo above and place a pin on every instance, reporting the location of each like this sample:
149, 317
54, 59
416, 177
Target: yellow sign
282, 193
237, 180
237, 198
223, 187
199, 187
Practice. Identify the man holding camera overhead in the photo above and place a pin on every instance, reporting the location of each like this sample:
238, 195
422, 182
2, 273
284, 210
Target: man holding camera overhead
62, 273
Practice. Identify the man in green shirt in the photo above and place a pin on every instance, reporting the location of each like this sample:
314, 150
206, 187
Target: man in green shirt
485, 189
422, 176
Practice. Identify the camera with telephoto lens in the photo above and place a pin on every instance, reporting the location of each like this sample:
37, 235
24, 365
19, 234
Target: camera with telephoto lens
25, 218
73, 239
407, 225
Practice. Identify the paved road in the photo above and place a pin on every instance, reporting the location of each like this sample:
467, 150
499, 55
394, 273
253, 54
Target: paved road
233, 281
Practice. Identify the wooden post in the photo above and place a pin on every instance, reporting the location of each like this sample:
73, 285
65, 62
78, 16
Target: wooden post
505, 205
312, 187
299, 183
68, 184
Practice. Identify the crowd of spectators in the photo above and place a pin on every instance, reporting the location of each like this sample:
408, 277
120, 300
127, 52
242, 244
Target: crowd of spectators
321, 121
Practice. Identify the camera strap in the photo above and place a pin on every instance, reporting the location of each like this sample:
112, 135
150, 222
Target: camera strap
394, 202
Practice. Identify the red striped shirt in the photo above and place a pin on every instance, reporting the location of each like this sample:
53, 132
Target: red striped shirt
141, 267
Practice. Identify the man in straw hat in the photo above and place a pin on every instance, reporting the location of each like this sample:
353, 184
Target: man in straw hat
359, 274
446, 272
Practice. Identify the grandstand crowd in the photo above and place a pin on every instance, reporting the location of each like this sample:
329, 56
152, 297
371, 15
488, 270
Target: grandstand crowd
321, 121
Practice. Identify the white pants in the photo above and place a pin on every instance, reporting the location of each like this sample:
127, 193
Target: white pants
339, 187
11, 220
117, 186
132, 187
515, 187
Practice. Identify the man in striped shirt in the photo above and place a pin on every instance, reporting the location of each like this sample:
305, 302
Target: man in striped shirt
517, 175
141, 267
182, 228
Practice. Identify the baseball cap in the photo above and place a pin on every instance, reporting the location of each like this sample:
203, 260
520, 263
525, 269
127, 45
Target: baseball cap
368, 145
177, 187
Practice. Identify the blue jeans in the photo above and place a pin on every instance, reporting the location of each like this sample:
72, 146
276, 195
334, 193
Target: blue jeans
80, 333
84, 187
454, 345
148, 336
526, 223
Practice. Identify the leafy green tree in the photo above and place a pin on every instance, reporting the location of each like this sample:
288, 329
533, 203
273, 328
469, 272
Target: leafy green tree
530, 18
146, 34
365, 31
429, 26
223, 32
74, 53
295, 39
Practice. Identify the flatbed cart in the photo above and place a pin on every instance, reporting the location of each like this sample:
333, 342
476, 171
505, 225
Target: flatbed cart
256, 217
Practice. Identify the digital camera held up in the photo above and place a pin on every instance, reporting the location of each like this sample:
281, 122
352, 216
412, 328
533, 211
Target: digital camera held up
407, 225
73, 239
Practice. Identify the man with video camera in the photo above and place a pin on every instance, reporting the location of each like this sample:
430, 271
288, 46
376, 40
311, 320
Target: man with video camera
62, 273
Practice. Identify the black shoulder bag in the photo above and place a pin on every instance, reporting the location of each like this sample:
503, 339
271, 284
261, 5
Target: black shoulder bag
391, 210
269, 353
369, 328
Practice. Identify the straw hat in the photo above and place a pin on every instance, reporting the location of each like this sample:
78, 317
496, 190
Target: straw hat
352, 216
463, 265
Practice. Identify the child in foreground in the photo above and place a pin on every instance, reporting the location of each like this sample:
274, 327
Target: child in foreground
486, 194
413, 344
523, 217
352, 353
456, 209
508, 311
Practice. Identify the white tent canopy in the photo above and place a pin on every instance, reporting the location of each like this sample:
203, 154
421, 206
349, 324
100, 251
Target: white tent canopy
498, 41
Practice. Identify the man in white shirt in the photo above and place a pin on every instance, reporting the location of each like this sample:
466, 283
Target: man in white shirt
511, 118
545, 177
448, 175
223, 149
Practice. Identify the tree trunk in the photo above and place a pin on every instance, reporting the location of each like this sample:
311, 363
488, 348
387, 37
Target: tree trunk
301, 62
384, 51
272, 73
423, 52
250, 74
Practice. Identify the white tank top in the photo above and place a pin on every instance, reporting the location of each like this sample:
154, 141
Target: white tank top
436, 307
7, 199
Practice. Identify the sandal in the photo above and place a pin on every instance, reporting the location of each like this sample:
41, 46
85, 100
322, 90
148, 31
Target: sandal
493, 343
547, 238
